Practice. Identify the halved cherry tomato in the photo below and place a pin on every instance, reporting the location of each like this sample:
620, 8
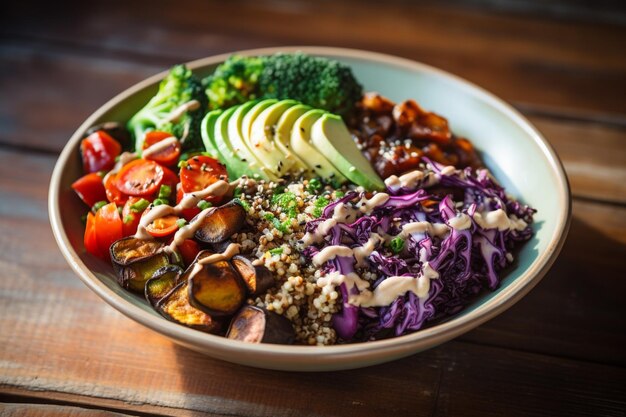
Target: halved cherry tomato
189, 213
113, 194
163, 226
188, 250
140, 178
90, 240
108, 227
130, 218
98, 151
169, 155
90, 188
200, 172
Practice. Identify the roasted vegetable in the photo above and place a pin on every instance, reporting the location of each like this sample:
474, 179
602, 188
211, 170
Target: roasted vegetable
216, 288
257, 277
257, 325
175, 307
136, 260
162, 282
221, 223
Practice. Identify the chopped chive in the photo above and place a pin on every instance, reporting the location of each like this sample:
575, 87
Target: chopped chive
276, 251
181, 223
139, 206
203, 205
159, 201
182, 164
165, 191
98, 206
128, 218
396, 245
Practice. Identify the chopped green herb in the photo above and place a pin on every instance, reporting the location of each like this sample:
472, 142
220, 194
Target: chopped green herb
98, 206
339, 194
268, 216
396, 245
319, 204
182, 163
159, 201
120, 209
128, 219
165, 191
181, 223
276, 251
237, 193
203, 205
314, 185
139, 206
242, 203
287, 202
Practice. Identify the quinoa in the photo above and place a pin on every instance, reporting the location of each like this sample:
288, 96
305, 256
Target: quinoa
277, 215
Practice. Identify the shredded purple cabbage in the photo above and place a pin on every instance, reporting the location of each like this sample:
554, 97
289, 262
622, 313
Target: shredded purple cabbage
467, 261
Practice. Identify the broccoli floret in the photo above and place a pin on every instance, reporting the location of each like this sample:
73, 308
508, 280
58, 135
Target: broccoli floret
233, 82
178, 88
319, 82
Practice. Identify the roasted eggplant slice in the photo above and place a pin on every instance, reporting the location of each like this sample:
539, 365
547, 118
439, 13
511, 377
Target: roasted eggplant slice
162, 282
136, 260
256, 325
257, 277
221, 223
216, 288
175, 307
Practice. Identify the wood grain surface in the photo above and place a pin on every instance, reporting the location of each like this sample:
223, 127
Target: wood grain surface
559, 351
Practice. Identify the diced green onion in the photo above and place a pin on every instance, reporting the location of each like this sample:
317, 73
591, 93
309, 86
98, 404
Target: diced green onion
203, 205
396, 245
339, 194
128, 219
182, 164
165, 191
314, 185
276, 251
268, 216
98, 206
139, 206
242, 203
181, 223
159, 202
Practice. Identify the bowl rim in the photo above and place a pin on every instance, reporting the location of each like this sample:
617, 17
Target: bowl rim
406, 344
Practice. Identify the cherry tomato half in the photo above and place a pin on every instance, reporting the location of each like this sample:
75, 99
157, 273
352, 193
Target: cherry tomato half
167, 156
140, 178
108, 227
163, 226
200, 172
189, 213
90, 188
90, 240
130, 219
189, 250
113, 194
98, 151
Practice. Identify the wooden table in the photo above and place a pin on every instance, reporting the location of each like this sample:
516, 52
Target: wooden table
560, 351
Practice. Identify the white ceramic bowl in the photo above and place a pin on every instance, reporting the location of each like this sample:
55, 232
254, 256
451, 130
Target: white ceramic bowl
512, 148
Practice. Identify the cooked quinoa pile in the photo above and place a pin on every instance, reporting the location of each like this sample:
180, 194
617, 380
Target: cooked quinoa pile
276, 218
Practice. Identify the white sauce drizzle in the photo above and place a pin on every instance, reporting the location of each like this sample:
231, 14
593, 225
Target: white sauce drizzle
231, 250
433, 229
159, 146
461, 222
330, 253
125, 158
179, 111
367, 206
498, 219
362, 252
409, 180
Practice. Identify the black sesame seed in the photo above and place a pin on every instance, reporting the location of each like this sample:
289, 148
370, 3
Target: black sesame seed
318, 166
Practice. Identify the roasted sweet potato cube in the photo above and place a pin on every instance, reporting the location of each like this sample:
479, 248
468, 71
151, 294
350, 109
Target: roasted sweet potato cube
256, 325
216, 288
175, 306
257, 277
221, 223
162, 282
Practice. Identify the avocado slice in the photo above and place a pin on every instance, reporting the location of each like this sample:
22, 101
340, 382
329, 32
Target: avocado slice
234, 165
240, 146
208, 133
252, 114
301, 144
261, 140
330, 135
282, 138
